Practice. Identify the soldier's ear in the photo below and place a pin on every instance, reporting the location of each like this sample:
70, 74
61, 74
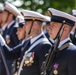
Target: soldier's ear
65, 27
11, 15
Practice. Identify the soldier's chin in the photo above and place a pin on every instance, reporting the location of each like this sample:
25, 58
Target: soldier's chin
52, 37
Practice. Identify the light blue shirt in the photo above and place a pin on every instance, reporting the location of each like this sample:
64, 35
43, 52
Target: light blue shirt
35, 38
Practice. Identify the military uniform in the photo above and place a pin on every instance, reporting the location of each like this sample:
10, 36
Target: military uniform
2, 68
4, 29
10, 32
14, 53
39, 44
10, 35
64, 64
64, 60
11, 40
39, 51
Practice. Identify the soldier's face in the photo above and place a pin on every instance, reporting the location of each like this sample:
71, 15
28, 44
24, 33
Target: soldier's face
27, 26
20, 33
4, 16
53, 29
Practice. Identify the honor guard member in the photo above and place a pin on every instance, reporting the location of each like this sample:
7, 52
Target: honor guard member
10, 35
20, 34
10, 12
2, 68
73, 32
34, 52
45, 26
20, 30
64, 62
39, 45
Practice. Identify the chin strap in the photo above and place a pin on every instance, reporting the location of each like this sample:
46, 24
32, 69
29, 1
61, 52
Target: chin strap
31, 27
60, 30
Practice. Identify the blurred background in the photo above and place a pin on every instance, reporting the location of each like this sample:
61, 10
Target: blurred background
41, 6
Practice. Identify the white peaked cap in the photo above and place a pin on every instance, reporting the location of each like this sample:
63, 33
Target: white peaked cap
60, 16
11, 8
20, 19
74, 12
33, 15
1, 9
47, 18
20, 22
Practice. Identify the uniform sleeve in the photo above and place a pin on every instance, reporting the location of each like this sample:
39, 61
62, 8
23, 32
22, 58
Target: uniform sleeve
72, 63
14, 53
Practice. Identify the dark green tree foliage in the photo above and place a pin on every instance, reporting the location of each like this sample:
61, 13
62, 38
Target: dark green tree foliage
42, 5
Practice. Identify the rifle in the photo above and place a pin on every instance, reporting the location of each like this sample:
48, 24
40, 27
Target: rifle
4, 60
50, 58
51, 55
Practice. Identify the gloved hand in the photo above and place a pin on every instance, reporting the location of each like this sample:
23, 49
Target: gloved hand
2, 41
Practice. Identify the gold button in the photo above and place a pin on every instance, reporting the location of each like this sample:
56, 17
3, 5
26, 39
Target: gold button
26, 61
31, 58
18, 63
18, 66
12, 65
24, 64
55, 72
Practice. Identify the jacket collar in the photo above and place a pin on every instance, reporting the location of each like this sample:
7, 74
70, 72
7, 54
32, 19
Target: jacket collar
63, 42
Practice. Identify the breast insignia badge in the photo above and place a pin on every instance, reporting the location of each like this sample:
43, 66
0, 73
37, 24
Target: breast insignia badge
29, 59
55, 71
7, 39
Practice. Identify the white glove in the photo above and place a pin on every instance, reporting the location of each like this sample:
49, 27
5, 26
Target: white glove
2, 41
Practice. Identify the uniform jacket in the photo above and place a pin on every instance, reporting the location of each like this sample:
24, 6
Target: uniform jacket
12, 41
39, 51
65, 63
11, 32
2, 67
